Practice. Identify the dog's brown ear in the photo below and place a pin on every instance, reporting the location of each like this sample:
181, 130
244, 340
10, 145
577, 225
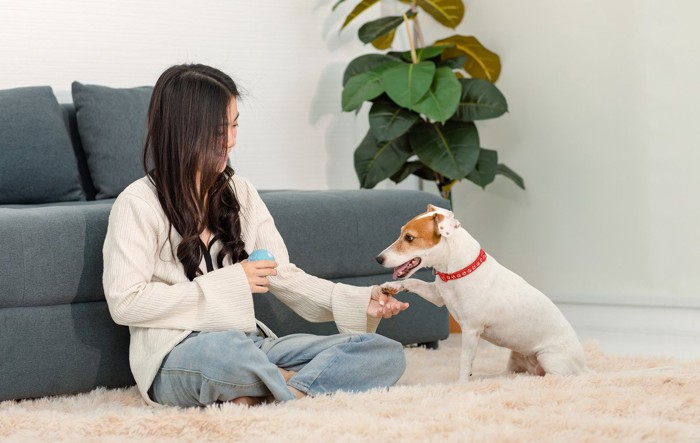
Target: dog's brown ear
438, 218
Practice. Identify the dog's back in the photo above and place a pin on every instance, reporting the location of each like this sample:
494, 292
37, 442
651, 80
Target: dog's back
514, 314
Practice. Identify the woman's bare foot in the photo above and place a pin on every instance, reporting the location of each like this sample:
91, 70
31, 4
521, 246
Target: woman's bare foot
287, 375
254, 401
297, 393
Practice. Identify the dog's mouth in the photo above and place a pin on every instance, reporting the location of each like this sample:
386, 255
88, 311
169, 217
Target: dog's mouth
405, 269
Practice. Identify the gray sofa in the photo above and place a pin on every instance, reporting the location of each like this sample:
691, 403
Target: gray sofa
56, 334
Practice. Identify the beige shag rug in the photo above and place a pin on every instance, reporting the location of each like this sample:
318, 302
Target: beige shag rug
622, 399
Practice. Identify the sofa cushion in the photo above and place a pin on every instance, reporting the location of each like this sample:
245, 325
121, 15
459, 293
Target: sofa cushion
112, 125
72, 125
52, 254
338, 234
37, 164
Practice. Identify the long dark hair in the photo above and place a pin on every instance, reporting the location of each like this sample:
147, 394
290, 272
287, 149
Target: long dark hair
188, 107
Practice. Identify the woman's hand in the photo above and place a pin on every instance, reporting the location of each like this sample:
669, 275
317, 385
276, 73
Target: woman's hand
257, 273
383, 305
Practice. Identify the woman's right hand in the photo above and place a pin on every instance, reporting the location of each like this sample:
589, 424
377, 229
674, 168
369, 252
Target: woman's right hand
257, 273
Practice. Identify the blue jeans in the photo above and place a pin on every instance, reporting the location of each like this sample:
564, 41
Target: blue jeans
210, 367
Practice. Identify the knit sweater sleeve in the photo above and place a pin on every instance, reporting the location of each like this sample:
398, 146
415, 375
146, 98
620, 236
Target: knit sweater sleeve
144, 289
313, 298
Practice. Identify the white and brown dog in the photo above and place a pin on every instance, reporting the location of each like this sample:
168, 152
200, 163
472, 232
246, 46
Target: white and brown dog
486, 299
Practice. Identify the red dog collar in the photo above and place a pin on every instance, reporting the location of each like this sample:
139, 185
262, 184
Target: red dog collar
464, 271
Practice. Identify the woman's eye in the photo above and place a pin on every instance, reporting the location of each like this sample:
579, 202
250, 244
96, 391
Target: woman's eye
408, 238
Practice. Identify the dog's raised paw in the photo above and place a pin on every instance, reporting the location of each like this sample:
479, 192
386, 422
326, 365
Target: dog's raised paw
390, 288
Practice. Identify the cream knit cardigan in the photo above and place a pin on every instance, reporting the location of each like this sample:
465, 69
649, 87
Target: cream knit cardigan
146, 287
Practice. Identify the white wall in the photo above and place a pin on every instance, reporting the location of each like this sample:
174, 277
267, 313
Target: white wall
602, 121
603, 127
287, 55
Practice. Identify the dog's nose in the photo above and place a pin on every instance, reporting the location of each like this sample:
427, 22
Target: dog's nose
380, 259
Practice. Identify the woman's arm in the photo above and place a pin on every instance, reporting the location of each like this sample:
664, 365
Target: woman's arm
146, 286
313, 298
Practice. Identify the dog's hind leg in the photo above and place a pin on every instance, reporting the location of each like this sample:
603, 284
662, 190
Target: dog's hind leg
561, 363
517, 363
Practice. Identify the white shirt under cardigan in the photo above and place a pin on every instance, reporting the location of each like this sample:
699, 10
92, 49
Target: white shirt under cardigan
146, 287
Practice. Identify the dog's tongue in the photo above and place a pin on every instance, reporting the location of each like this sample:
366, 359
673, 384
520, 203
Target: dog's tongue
399, 269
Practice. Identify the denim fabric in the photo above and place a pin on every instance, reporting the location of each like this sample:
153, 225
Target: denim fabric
209, 367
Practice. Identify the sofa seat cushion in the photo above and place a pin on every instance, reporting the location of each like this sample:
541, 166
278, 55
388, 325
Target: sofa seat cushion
52, 254
422, 322
37, 163
112, 125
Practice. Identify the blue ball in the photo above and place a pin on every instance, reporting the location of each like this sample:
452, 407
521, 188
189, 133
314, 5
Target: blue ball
261, 254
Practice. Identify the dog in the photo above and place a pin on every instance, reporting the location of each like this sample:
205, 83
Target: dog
485, 298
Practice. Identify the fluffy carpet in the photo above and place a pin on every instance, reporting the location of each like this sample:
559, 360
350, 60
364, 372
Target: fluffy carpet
620, 399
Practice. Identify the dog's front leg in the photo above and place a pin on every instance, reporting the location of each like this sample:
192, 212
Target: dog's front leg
470, 341
425, 289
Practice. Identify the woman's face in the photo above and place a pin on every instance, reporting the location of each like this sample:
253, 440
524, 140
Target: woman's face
231, 132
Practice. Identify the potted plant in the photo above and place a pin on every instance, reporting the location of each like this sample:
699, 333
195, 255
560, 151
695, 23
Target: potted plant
424, 101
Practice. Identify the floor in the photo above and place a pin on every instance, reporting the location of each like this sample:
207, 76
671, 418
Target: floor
654, 331
645, 330
620, 343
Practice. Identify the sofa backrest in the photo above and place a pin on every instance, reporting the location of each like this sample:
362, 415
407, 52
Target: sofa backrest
72, 126
53, 253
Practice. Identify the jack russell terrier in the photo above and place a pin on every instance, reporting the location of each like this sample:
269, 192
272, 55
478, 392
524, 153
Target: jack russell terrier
486, 299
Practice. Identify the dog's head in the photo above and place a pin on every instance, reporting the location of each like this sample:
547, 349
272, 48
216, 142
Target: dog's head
420, 242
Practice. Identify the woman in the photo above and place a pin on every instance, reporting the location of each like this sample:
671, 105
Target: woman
175, 271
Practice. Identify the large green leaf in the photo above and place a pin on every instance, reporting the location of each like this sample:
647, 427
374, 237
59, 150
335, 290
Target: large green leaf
479, 100
485, 170
441, 100
389, 121
447, 12
451, 150
454, 62
416, 168
407, 83
366, 63
371, 31
360, 88
423, 53
481, 63
509, 173
359, 9
376, 161
385, 41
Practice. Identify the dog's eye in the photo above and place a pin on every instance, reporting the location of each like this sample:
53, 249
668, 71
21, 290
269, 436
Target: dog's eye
408, 238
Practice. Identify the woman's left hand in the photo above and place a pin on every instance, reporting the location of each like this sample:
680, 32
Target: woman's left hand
383, 305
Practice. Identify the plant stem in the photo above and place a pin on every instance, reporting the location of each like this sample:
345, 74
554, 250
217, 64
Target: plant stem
414, 57
418, 34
